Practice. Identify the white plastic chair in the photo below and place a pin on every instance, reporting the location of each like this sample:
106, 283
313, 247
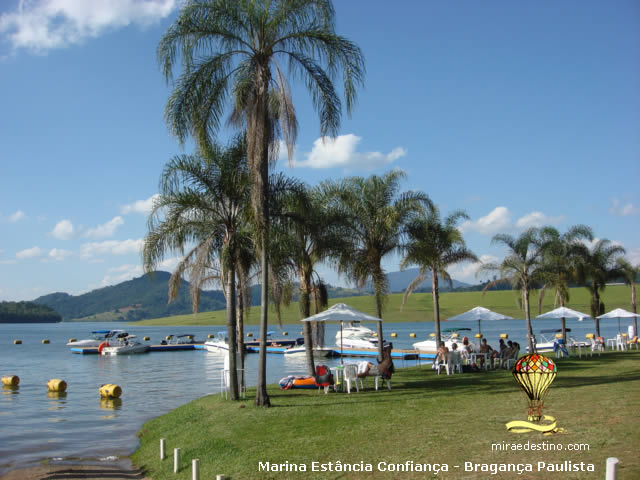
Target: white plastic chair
351, 375
455, 362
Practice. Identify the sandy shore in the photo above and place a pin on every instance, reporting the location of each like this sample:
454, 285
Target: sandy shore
122, 469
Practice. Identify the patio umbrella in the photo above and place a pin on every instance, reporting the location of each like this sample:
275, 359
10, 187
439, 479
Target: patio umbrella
479, 314
620, 313
341, 312
564, 313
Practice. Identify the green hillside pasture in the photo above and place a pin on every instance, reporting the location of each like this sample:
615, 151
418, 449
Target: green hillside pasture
426, 419
419, 307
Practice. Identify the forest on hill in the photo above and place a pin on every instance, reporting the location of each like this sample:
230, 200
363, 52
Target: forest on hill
27, 312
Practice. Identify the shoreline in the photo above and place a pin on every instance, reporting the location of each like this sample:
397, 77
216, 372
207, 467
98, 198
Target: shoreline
119, 469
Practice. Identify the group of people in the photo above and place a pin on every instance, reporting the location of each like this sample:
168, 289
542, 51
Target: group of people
504, 352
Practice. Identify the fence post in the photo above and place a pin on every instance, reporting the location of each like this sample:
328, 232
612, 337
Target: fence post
195, 469
176, 460
162, 448
220, 477
612, 464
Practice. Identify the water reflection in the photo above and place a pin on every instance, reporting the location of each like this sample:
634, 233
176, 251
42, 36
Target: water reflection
10, 389
110, 403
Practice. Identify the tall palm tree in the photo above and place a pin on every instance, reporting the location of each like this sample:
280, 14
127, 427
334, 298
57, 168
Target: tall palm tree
232, 53
521, 268
435, 245
630, 273
597, 267
376, 217
203, 201
560, 256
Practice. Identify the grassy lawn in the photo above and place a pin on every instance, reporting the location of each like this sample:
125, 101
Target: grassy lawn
426, 418
419, 307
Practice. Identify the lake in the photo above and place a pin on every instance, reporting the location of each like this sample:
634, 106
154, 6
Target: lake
36, 425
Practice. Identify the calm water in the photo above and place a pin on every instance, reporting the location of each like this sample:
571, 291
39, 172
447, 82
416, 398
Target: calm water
79, 425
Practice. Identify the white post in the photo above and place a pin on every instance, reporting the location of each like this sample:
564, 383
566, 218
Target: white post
176, 460
195, 469
162, 448
612, 464
220, 477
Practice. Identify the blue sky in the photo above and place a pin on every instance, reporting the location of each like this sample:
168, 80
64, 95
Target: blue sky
519, 113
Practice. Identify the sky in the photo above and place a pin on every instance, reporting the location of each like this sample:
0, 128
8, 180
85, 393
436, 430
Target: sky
520, 113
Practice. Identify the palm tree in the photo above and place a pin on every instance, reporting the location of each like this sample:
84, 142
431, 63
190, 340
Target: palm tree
435, 245
232, 53
376, 216
597, 267
521, 268
203, 200
630, 274
560, 256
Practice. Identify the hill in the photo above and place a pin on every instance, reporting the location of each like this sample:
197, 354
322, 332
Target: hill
399, 281
27, 312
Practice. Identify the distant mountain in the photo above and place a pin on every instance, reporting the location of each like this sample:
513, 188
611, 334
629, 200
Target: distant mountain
137, 299
145, 297
399, 281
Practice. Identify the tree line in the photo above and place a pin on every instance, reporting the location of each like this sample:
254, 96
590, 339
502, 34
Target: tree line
27, 312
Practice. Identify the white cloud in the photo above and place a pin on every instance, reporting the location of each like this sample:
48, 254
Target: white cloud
41, 25
169, 264
17, 216
340, 152
497, 221
537, 219
466, 272
58, 254
63, 230
105, 230
617, 208
120, 274
633, 256
29, 252
111, 247
141, 206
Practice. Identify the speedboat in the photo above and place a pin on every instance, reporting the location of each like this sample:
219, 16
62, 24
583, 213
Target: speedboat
97, 337
126, 345
553, 344
449, 336
219, 343
356, 337
320, 352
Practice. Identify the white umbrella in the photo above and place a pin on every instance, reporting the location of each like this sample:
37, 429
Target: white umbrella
478, 314
619, 313
341, 312
564, 313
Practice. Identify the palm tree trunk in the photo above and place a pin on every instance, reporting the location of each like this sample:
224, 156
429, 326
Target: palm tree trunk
240, 323
596, 303
564, 323
231, 329
435, 293
258, 138
378, 296
527, 313
305, 310
633, 306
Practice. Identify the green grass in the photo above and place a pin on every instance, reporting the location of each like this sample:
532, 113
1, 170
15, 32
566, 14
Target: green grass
426, 418
419, 307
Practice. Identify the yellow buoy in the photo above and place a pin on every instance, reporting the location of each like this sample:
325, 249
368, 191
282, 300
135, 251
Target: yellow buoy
285, 333
45, 341
478, 335
375, 334
17, 342
412, 335
249, 334
432, 335
590, 336
11, 380
71, 340
146, 339
394, 334
168, 337
210, 335
190, 337
504, 335
57, 385
110, 391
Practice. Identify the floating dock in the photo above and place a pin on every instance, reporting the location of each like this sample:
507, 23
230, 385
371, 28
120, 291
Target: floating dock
152, 348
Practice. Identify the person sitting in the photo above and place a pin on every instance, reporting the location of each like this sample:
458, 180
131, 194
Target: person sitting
507, 353
466, 349
441, 354
486, 349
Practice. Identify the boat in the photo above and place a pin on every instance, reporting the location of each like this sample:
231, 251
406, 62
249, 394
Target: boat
552, 345
449, 336
97, 337
220, 343
320, 352
178, 340
125, 344
356, 337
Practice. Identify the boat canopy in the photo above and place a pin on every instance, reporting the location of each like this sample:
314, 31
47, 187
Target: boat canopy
554, 330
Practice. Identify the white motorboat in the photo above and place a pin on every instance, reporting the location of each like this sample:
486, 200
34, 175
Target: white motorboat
553, 344
97, 337
356, 337
449, 336
320, 352
126, 345
220, 343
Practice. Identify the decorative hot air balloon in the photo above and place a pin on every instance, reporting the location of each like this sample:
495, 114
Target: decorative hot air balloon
534, 373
